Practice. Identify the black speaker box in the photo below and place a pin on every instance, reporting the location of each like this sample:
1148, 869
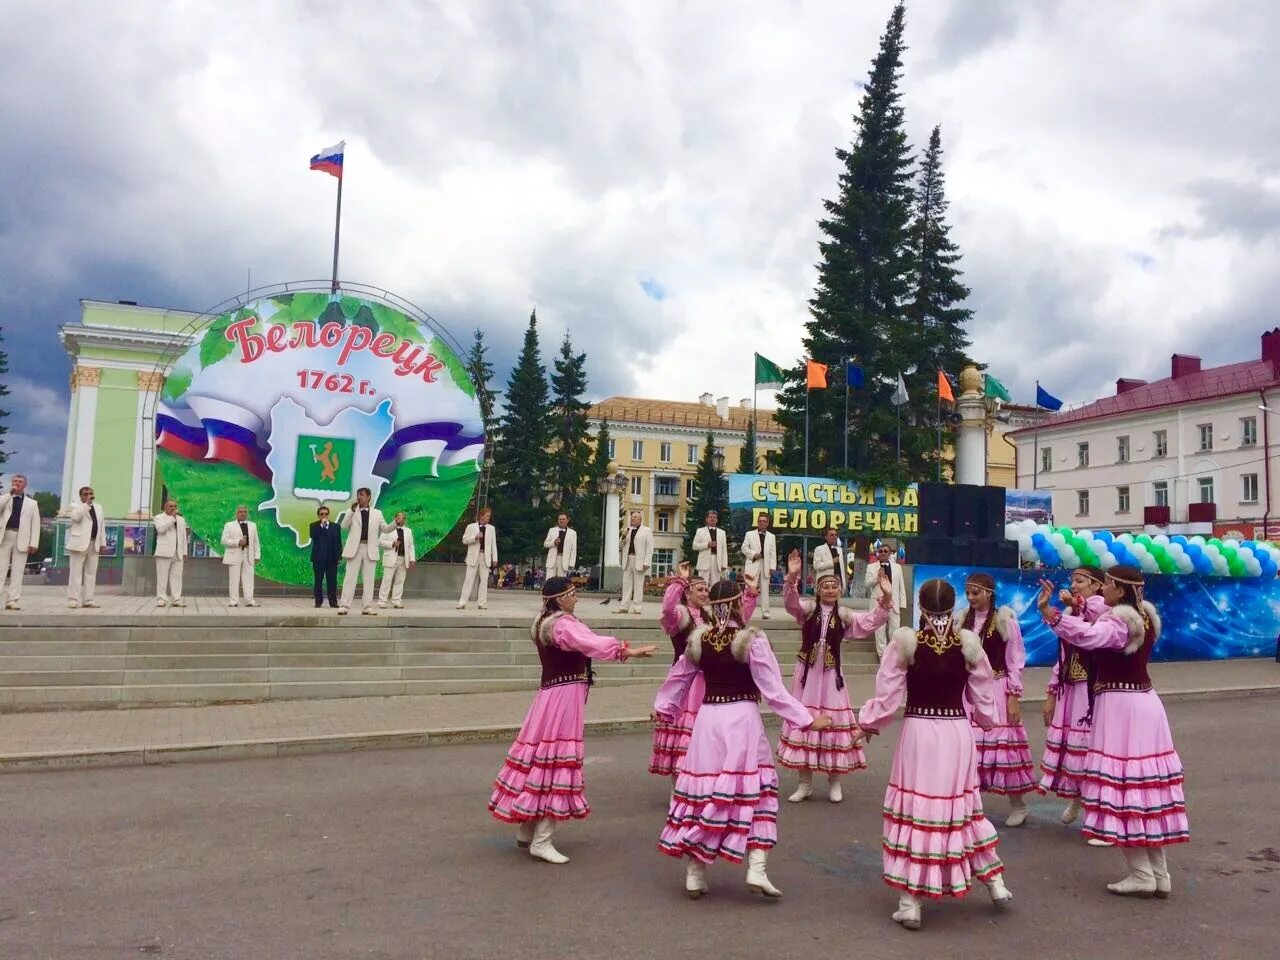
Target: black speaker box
992, 513
1002, 554
967, 510
941, 551
935, 509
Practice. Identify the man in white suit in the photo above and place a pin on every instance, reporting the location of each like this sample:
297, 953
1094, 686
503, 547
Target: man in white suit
171, 551
760, 550
481, 540
712, 548
562, 548
364, 525
241, 552
85, 539
398, 558
19, 536
884, 561
828, 558
635, 547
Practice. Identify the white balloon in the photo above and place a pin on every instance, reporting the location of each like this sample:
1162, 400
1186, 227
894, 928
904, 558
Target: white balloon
1184, 564
1245, 553
1160, 539
1176, 550
1085, 535
1107, 560
1149, 564
1125, 538
1229, 542
1139, 550
1253, 567
1198, 540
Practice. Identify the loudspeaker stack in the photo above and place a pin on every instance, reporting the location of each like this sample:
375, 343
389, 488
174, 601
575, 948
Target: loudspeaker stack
962, 525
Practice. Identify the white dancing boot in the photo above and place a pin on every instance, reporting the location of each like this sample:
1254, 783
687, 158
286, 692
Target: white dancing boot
695, 878
1140, 881
541, 848
1000, 894
1070, 814
524, 835
757, 879
908, 913
1160, 867
834, 792
1018, 816
805, 790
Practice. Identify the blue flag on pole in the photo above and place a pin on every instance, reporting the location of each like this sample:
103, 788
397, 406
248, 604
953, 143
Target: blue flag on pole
1047, 400
853, 375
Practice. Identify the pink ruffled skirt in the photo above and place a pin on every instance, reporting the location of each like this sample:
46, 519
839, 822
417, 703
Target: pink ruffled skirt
1066, 742
936, 838
1131, 786
671, 740
829, 751
542, 775
1004, 756
725, 800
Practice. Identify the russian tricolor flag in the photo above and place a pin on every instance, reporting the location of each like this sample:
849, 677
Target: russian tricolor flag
330, 160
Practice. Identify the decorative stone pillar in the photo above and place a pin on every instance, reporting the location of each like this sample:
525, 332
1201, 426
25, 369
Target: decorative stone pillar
971, 437
150, 383
79, 464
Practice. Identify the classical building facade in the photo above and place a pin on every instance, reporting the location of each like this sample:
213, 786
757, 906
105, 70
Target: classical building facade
658, 443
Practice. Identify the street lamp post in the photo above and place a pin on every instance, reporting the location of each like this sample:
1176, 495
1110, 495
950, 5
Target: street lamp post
611, 488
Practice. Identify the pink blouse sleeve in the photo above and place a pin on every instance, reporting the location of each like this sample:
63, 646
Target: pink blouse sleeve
980, 691
669, 703
792, 602
1094, 607
672, 599
749, 600
891, 689
570, 633
768, 677
1015, 658
861, 624
1109, 633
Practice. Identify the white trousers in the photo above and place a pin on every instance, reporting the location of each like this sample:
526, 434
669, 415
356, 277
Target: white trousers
12, 563
632, 587
884, 632
169, 578
359, 566
393, 581
240, 578
756, 569
714, 571
558, 568
474, 573
84, 575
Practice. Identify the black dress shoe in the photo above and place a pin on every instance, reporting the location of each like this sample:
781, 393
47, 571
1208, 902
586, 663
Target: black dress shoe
319, 605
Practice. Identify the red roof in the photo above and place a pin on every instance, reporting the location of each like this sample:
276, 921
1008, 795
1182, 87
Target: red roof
1234, 378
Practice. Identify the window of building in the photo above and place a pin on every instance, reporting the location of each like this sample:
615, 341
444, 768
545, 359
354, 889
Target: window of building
1160, 491
1162, 443
688, 489
1205, 484
664, 561
1046, 459
664, 522
1249, 488
1206, 437
665, 486
1082, 503
664, 452
1122, 499
1082, 454
1122, 450
637, 486
693, 453
613, 448
717, 451
1248, 431
637, 449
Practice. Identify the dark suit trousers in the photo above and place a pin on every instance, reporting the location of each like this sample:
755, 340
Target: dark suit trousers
326, 572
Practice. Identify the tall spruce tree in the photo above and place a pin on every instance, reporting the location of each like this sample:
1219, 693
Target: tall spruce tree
590, 507
864, 281
570, 452
709, 493
481, 371
520, 457
4, 392
935, 312
748, 458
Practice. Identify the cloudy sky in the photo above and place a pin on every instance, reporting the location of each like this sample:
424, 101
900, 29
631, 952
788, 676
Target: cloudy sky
648, 175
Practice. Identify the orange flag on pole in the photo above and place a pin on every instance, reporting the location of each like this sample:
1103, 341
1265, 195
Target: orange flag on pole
815, 374
944, 388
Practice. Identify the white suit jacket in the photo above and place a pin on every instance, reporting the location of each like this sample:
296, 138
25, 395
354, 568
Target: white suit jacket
82, 527
570, 555
644, 548
471, 537
388, 543
28, 523
351, 523
899, 588
702, 547
824, 563
171, 535
232, 552
752, 549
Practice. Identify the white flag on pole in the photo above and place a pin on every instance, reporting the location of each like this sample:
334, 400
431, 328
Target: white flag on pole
900, 395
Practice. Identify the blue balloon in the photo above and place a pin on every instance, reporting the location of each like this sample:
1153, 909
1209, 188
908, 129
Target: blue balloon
1106, 536
1193, 550
1049, 555
1179, 539
1121, 553
1038, 540
1203, 565
1251, 544
1268, 568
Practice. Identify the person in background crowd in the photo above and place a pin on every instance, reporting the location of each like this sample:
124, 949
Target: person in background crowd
326, 548
171, 550
19, 536
85, 541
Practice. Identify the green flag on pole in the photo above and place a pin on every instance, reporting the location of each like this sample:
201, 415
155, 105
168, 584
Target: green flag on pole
768, 374
994, 388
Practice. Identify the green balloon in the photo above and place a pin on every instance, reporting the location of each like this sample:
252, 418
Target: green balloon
1166, 564
1230, 552
1215, 542
1143, 539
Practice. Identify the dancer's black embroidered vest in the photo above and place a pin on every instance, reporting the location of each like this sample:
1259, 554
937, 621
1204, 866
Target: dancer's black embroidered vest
993, 644
562, 666
728, 680
937, 678
1117, 670
810, 631
680, 639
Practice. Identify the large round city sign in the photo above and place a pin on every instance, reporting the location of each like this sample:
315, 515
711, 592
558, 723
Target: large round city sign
300, 399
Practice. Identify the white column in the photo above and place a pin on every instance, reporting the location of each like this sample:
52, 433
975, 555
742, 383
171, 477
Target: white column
609, 529
144, 468
87, 380
971, 437
68, 465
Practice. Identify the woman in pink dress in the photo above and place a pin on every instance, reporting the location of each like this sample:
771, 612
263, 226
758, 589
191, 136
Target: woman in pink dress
541, 780
725, 802
683, 604
1131, 786
936, 838
1066, 706
818, 681
1005, 766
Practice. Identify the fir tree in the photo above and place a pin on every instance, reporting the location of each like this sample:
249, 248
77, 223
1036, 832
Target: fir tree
748, 458
481, 371
520, 457
570, 452
4, 392
710, 492
590, 507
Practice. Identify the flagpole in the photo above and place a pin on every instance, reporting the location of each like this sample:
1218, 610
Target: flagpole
1035, 450
939, 436
806, 424
846, 413
898, 408
337, 226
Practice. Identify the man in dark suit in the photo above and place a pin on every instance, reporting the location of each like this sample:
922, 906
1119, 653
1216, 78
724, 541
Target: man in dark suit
326, 548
